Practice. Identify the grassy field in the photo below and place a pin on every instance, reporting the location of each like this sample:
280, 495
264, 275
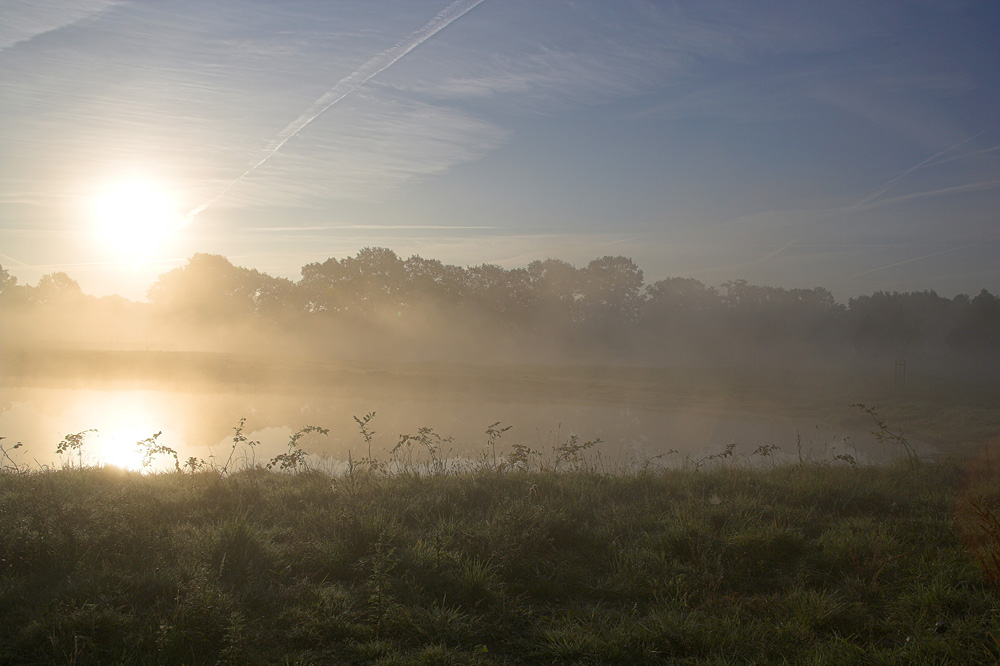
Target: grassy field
798, 564
541, 559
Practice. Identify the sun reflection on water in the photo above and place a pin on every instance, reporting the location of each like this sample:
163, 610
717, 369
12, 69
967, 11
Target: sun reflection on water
116, 443
125, 419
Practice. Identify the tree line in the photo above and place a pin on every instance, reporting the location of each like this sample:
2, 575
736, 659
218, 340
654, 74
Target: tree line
377, 301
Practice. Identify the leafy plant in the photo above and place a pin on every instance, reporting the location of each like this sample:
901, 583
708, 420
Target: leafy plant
295, 457
727, 452
239, 439
883, 434
765, 450
519, 457
571, 452
10, 463
151, 447
74, 442
493, 433
369, 435
847, 458
193, 464
431, 442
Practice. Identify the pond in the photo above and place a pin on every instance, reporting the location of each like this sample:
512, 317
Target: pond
200, 422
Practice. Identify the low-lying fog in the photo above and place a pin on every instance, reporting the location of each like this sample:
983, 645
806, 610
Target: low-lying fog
635, 418
673, 371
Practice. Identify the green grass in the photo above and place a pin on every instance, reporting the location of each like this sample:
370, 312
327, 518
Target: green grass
805, 564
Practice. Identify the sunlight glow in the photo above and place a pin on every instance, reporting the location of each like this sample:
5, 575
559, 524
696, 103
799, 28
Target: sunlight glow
135, 217
125, 421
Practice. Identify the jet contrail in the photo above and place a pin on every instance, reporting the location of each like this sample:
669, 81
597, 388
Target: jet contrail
889, 183
925, 256
746, 264
775, 253
346, 86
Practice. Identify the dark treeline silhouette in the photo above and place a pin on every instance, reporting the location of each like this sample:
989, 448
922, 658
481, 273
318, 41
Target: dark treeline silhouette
376, 303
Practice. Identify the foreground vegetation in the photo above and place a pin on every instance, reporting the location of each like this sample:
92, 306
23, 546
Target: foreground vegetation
808, 563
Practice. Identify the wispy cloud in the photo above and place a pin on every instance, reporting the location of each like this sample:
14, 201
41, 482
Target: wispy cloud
601, 53
348, 85
376, 145
163, 89
369, 227
763, 99
24, 20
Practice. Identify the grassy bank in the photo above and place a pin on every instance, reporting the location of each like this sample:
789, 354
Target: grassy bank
797, 564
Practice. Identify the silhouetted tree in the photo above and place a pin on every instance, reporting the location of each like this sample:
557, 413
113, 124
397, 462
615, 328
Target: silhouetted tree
899, 321
273, 298
678, 297
611, 294
321, 287
11, 293
207, 288
374, 280
550, 306
429, 280
977, 325
56, 289
558, 287
376, 277
680, 315
7, 281
752, 315
499, 291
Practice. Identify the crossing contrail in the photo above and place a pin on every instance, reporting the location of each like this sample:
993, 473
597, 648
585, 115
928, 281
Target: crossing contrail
886, 186
925, 256
345, 87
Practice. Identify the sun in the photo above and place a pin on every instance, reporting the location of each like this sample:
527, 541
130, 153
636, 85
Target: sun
135, 217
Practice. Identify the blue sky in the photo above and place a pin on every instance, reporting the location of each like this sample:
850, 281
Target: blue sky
852, 145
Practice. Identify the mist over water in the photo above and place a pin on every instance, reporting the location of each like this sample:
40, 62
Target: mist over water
199, 419
673, 371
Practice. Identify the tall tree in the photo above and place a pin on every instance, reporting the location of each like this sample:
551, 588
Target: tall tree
56, 289
208, 288
12, 293
611, 295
